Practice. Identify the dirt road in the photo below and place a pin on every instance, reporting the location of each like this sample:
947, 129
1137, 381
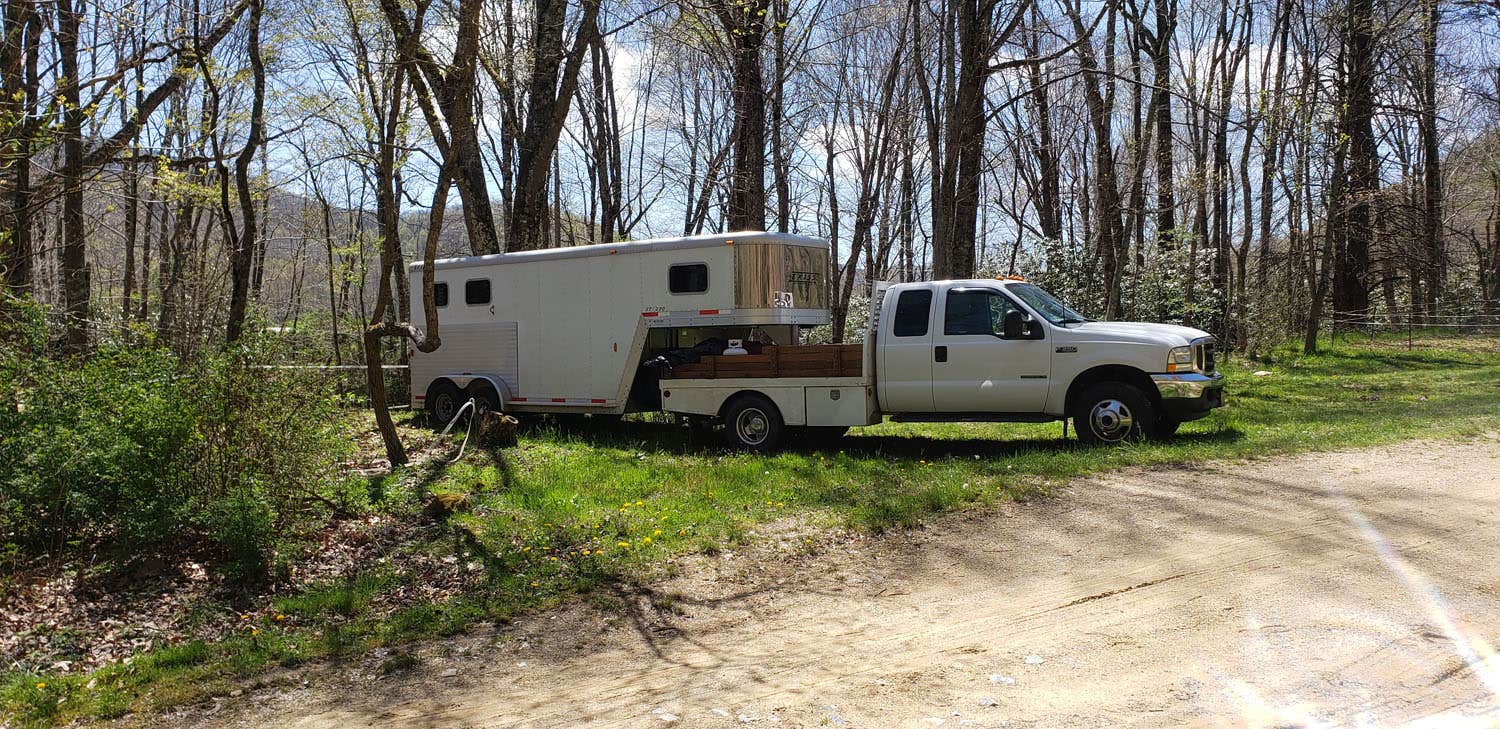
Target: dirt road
1356, 588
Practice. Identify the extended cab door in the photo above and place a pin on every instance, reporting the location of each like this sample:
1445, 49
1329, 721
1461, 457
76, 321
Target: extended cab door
977, 370
905, 346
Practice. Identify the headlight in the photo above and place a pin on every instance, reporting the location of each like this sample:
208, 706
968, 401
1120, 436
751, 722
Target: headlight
1180, 358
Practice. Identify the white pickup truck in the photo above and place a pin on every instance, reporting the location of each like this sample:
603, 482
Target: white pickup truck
970, 350
648, 325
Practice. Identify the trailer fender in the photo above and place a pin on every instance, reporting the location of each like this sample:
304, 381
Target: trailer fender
470, 384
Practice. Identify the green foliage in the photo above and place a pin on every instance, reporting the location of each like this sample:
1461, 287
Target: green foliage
139, 448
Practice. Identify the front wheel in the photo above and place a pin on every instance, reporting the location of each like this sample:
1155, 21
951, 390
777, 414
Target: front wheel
1112, 412
753, 423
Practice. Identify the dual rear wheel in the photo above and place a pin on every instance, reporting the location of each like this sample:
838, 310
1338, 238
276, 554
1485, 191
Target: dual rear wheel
753, 423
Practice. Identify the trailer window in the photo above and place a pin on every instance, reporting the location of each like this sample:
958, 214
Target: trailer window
911, 313
477, 291
440, 294
688, 278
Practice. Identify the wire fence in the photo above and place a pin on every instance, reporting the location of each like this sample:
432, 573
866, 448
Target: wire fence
1481, 318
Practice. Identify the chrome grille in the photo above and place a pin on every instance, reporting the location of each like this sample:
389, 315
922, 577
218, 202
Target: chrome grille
1203, 356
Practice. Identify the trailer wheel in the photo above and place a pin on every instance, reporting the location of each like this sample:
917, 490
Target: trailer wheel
752, 423
485, 397
1112, 412
443, 401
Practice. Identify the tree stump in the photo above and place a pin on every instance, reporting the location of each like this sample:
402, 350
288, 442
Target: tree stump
497, 430
441, 506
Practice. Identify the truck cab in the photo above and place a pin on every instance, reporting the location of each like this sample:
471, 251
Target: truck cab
1004, 349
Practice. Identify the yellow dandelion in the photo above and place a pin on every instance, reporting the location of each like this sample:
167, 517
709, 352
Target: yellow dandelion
656, 533
640, 503
534, 583
244, 616
646, 540
781, 503
280, 617
554, 559
585, 553
623, 545
41, 684
255, 631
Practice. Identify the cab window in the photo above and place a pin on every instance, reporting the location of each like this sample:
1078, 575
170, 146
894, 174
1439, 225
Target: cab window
975, 311
912, 308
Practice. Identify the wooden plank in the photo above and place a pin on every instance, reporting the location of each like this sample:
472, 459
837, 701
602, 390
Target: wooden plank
814, 360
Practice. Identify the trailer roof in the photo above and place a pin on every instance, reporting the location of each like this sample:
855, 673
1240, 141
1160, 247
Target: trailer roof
641, 246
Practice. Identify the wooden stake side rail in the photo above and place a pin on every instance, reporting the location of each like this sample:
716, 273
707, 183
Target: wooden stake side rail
813, 360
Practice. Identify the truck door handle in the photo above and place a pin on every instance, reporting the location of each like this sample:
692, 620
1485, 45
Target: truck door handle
940, 353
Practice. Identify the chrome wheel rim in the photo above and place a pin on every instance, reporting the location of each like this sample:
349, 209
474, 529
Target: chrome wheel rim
1111, 420
752, 426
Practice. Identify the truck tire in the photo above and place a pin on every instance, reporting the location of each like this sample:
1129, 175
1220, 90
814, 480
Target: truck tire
752, 423
1113, 412
1166, 427
443, 402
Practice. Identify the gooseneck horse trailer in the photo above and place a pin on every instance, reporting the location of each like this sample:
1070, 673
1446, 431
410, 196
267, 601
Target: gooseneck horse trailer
565, 330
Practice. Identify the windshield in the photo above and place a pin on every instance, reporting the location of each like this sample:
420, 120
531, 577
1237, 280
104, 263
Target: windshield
1042, 303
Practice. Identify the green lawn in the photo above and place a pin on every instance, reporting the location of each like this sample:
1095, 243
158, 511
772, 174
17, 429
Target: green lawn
569, 510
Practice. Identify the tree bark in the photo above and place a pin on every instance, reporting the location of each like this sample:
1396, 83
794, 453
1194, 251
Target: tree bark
745, 26
1432, 168
73, 265
1351, 295
243, 243
554, 78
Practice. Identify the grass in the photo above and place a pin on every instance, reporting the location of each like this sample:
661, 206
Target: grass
572, 509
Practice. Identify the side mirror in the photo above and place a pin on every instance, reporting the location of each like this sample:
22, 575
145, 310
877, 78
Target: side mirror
1033, 329
1013, 324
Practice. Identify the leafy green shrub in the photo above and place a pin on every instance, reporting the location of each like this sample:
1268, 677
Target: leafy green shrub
139, 448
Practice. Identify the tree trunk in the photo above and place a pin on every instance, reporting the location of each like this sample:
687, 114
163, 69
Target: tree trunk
1161, 102
73, 263
1351, 296
554, 77
242, 256
745, 25
1432, 169
19, 82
